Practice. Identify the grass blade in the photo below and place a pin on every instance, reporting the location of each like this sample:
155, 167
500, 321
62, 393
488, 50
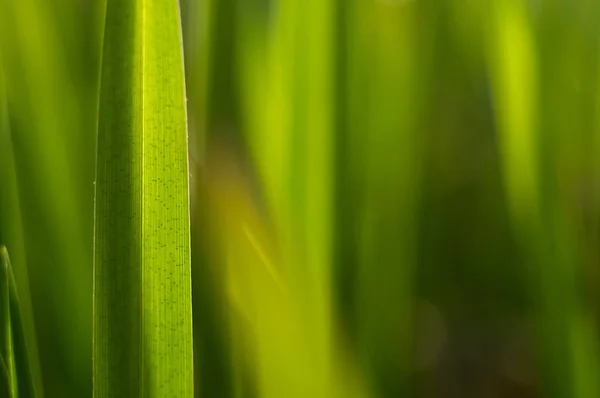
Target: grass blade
386, 74
14, 352
273, 341
6, 347
532, 150
142, 293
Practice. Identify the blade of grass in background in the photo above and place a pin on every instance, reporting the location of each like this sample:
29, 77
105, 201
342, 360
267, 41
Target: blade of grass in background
211, 87
384, 91
535, 154
7, 356
198, 30
270, 330
53, 153
142, 290
286, 68
567, 50
292, 146
212, 351
14, 350
11, 233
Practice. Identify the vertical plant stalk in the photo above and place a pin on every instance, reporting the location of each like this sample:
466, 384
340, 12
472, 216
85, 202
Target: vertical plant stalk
16, 379
530, 154
384, 84
294, 154
7, 357
142, 288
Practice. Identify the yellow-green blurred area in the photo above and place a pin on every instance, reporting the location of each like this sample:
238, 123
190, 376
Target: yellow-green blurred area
390, 198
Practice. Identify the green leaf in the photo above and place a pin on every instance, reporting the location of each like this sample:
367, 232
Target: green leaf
386, 71
531, 152
269, 326
293, 147
6, 347
16, 374
142, 288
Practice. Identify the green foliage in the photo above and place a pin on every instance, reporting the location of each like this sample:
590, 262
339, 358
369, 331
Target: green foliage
142, 289
353, 162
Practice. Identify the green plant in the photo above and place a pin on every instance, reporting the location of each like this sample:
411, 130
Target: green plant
142, 286
350, 160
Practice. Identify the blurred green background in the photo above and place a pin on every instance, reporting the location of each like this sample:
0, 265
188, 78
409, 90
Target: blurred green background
390, 198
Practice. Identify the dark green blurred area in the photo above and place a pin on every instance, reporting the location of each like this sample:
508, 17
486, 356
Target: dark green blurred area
426, 171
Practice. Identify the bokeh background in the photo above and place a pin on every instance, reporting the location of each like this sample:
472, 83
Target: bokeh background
390, 198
